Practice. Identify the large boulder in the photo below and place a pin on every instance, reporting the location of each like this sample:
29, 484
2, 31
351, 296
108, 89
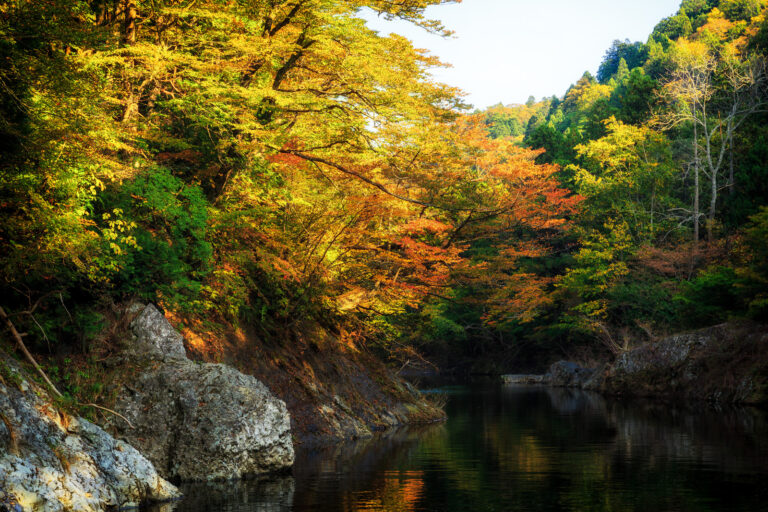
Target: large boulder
205, 421
199, 421
52, 461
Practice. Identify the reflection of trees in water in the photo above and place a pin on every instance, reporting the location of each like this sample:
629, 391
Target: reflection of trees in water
527, 448
731, 439
583, 450
371, 474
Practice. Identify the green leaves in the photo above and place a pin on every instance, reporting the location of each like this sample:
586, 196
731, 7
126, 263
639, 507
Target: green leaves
156, 229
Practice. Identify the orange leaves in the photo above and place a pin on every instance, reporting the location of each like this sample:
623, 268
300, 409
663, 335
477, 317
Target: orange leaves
286, 159
421, 226
521, 300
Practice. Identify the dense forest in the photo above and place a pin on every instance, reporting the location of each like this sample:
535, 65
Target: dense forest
666, 147
263, 162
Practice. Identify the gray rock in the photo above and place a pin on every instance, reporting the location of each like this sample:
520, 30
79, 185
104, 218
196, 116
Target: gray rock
707, 364
667, 353
51, 461
596, 380
205, 421
568, 374
156, 336
523, 379
199, 421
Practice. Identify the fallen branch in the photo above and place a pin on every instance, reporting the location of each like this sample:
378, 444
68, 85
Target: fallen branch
109, 410
20, 343
26, 352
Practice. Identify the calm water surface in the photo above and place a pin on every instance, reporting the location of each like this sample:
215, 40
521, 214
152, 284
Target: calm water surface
509, 448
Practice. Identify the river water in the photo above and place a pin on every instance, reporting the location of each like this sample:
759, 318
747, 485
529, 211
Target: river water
517, 448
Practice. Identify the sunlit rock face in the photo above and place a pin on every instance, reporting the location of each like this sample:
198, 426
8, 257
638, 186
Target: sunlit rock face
52, 461
155, 335
199, 421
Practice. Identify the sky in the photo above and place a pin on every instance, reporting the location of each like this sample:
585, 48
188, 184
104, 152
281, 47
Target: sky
507, 50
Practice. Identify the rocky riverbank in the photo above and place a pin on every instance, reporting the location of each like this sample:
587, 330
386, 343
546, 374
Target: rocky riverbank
727, 363
184, 418
53, 461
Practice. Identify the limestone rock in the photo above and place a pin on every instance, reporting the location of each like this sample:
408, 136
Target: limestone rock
568, 374
205, 421
726, 363
523, 379
55, 462
156, 335
199, 421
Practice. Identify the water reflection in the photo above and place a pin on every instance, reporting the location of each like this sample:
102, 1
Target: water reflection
525, 448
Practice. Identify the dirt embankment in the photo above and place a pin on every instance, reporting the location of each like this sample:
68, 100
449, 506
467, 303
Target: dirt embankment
334, 389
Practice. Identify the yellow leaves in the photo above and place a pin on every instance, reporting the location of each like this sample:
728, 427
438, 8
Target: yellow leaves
584, 95
688, 53
600, 264
117, 232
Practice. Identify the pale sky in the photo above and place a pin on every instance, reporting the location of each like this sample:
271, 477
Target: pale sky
506, 50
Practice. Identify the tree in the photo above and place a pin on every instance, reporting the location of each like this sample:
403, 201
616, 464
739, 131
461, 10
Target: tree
625, 178
634, 97
674, 27
634, 55
688, 90
741, 10
714, 113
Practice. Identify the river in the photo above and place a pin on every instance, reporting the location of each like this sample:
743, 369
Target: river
516, 448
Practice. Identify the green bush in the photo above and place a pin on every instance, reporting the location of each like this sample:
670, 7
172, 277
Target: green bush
753, 276
709, 298
166, 253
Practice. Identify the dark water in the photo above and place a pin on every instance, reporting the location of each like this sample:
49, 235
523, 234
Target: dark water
507, 448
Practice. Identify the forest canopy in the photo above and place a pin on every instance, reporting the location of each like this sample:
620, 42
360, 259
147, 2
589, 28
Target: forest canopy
264, 161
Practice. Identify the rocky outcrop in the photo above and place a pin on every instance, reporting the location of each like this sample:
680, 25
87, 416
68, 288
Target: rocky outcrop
560, 374
727, 363
52, 461
198, 421
568, 374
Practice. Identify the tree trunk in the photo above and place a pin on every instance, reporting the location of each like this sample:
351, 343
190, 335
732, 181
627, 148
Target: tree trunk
712, 207
731, 179
695, 190
129, 26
